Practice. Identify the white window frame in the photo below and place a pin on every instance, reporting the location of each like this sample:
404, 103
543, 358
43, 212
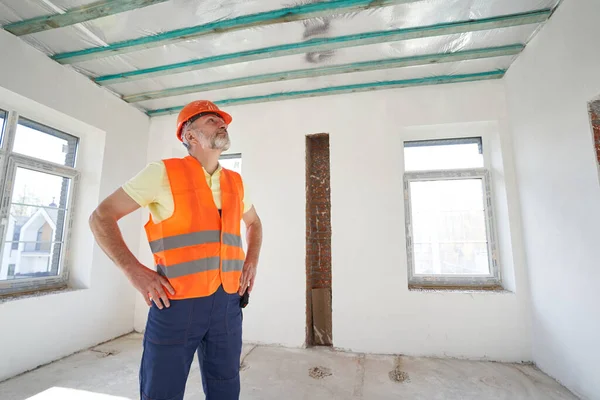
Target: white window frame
231, 156
9, 162
228, 156
493, 279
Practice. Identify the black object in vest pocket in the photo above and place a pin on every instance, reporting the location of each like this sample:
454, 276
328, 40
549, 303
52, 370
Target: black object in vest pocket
244, 299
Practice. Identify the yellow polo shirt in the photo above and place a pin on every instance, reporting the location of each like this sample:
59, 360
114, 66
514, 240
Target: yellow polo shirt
150, 188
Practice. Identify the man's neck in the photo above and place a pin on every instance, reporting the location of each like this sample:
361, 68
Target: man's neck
208, 158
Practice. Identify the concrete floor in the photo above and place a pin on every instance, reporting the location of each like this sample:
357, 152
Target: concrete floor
110, 372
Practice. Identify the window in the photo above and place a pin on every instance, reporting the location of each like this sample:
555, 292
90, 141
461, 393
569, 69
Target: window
39, 182
51, 145
16, 234
449, 217
232, 162
11, 271
3, 115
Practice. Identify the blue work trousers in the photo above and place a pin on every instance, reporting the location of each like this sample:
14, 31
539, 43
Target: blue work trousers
210, 326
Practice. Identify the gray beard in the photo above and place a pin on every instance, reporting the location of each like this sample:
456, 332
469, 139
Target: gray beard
217, 142
220, 143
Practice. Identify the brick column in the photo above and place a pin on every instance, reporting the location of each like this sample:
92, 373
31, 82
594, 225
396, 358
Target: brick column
595, 117
318, 239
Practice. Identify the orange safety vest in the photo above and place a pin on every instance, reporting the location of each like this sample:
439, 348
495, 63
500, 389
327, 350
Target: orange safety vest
197, 249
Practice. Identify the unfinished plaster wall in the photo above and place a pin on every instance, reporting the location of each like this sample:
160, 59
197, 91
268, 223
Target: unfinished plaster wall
373, 310
40, 329
548, 91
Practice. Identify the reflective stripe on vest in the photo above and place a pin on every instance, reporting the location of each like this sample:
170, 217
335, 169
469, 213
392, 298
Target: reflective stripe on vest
202, 265
193, 239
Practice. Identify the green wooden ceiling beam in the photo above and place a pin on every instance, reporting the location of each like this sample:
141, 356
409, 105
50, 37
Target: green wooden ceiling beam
297, 13
77, 15
361, 87
324, 44
331, 70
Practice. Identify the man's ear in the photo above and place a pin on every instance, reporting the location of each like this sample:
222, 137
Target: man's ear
189, 136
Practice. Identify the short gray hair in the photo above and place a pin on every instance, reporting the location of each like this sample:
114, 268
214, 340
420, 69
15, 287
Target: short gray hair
184, 129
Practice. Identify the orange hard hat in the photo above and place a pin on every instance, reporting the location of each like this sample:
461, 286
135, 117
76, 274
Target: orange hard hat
196, 108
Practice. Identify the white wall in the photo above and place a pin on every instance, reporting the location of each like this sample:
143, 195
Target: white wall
40, 329
548, 89
373, 310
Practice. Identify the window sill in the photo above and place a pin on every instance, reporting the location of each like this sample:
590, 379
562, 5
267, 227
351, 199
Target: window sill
458, 289
9, 297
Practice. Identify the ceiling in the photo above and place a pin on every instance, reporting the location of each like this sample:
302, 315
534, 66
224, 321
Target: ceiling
160, 54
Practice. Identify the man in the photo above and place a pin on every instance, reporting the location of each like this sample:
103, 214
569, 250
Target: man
196, 209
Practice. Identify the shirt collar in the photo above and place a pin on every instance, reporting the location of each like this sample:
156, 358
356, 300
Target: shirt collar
218, 170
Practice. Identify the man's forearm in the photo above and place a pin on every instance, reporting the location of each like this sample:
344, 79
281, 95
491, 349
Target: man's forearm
109, 238
254, 240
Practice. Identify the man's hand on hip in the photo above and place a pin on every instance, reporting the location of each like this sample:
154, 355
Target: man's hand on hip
254, 238
103, 223
151, 285
247, 278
